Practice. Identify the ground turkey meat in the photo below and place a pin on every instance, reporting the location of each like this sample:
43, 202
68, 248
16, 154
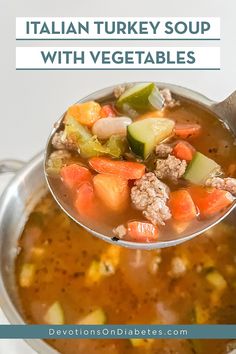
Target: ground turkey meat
59, 142
227, 184
171, 168
62, 155
163, 150
150, 195
169, 101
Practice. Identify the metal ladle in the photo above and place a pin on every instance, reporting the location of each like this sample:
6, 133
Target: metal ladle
225, 111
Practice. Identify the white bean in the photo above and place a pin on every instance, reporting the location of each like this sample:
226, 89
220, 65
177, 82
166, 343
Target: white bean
105, 127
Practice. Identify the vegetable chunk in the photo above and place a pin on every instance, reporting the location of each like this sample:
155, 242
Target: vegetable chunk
201, 168
184, 151
182, 206
210, 201
112, 190
97, 317
74, 175
185, 131
144, 135
55, 314
85, 113
124, 169
142, 231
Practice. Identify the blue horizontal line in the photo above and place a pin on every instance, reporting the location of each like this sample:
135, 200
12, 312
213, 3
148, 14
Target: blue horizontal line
119, 331
117, 69
118, 39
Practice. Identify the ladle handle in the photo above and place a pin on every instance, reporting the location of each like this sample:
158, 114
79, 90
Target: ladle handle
226, 110
10, 166
7, 170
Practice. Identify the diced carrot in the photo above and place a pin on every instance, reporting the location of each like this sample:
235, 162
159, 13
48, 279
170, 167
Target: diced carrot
107, 111
124, 169
85, 202
112, 190
182, 206
85, 113
74, 175
184, 151
210, 200
142, 231
185, 130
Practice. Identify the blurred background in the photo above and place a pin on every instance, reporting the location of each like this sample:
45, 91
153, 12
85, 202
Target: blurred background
31, 101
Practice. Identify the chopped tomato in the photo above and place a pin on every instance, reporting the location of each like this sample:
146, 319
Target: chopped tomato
185, 130
210, 200
184, 151
142, 231
182, 206
85, 202
112, 190
74, 175
85, 113
124, 169
107, 111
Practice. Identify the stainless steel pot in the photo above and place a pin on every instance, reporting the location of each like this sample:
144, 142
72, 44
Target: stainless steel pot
20, 197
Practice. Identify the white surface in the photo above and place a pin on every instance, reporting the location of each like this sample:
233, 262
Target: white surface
32, 101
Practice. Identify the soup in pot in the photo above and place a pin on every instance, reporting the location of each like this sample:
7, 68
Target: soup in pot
66, 276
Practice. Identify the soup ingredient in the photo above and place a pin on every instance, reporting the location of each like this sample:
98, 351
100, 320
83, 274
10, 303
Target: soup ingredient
210, 200
107, 111
182, 206
169, 101
120, 231
227, 184
142, 231
144, 135
85, 113
74, 175
114, 147
106, 127
150, 195
141, 342
56, 161
163, 150
27, 275
124, 169
55, 314
186, 131
75, 132
171, 168
137, 98
184, 151
156, 99
201, 314
105, 266
178, 267
97, 317
112, 190
60, 142
85, 202
200, 168
216, 279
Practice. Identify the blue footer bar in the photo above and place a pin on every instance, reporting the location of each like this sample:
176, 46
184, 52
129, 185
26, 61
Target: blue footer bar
118, 331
